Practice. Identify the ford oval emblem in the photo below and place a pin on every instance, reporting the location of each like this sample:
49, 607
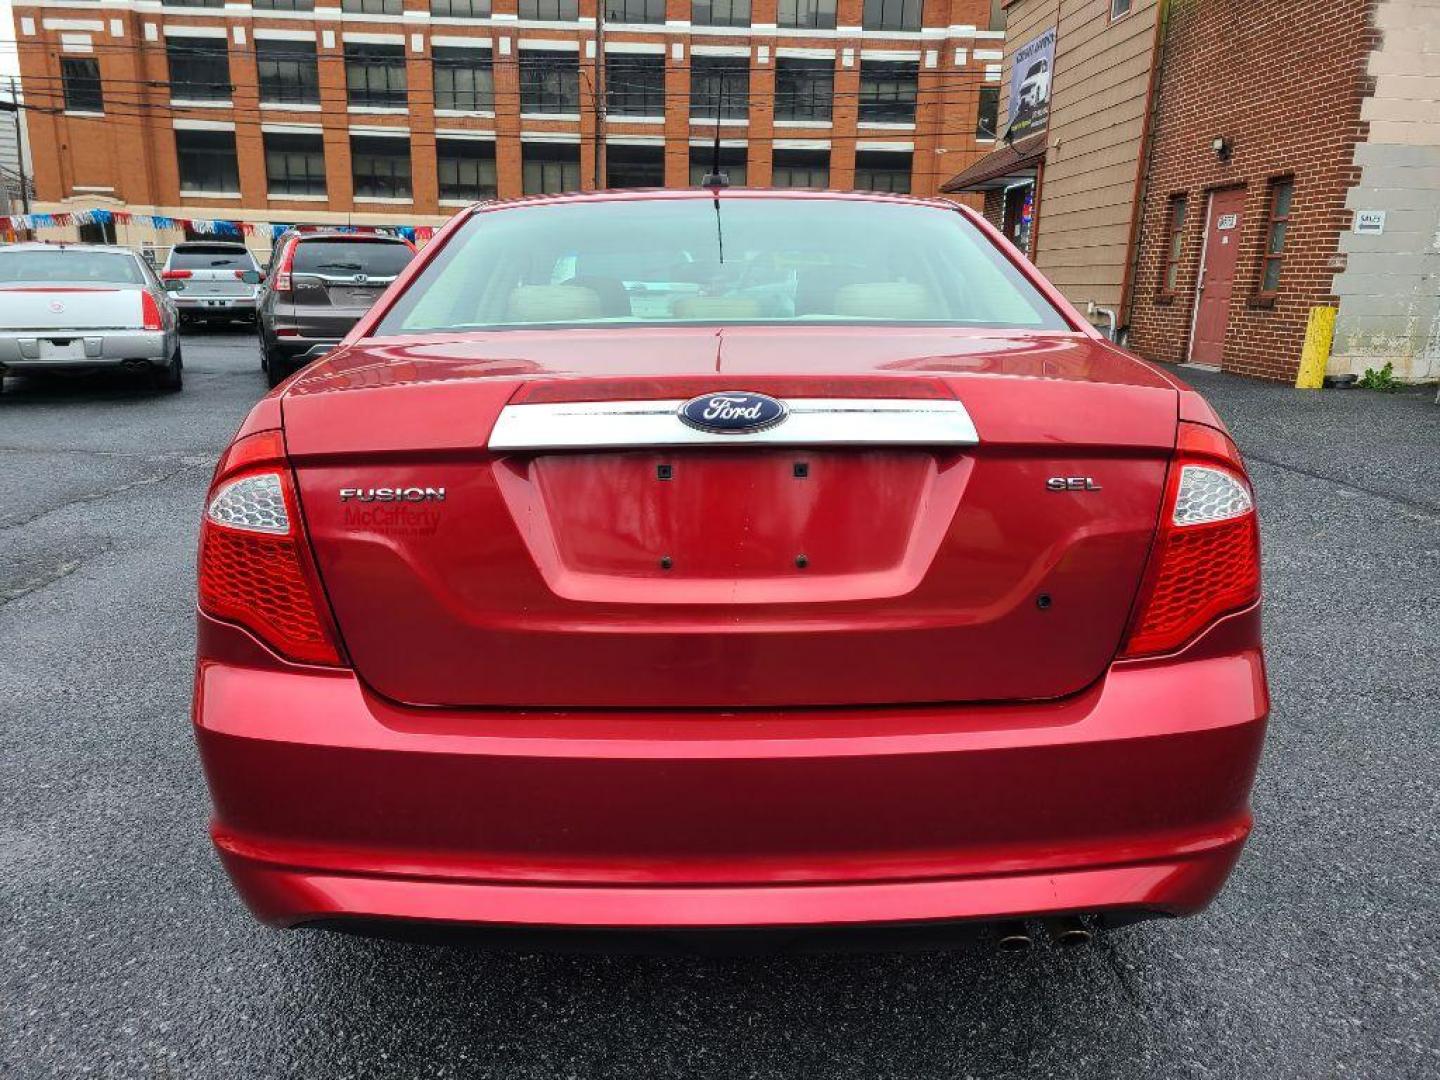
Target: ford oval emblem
732, 412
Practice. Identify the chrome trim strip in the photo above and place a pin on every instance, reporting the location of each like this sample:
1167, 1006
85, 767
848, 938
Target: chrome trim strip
586, 425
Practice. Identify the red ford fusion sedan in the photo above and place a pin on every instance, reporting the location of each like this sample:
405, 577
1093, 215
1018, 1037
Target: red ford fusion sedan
706, 560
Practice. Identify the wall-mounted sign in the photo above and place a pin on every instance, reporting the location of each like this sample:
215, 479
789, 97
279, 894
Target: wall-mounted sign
1369, 222
1032, 65
1227, 221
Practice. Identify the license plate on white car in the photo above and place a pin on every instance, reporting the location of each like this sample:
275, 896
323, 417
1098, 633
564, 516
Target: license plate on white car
62, 349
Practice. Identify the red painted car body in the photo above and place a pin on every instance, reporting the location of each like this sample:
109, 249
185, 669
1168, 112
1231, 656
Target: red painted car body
790, 685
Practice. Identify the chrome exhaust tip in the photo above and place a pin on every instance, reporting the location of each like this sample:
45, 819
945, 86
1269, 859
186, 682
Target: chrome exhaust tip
1068, 931
1013, 937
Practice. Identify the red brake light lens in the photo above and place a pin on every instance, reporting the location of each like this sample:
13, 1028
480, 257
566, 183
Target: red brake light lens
1206, 560
177, 275
254, 566
150, 318
282, 283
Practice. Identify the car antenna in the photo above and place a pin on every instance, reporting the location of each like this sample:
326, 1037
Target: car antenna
715, 179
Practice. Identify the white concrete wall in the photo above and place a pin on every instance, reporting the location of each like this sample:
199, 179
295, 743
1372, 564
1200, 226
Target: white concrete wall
1389, 291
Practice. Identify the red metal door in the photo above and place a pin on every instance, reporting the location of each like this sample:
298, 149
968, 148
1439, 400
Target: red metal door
1217, 275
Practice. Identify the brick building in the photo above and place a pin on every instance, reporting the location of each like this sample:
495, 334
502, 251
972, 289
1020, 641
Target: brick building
1281, 160
395, 111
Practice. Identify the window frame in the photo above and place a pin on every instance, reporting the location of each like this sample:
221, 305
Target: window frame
82, 93
904, 16
1277, 184
538, 97
884, 97
1117, 13
463, 163
366, 58
271, 143
1177, 210
397, 184
291, 88
202, 86
812, 167
989, 94
810, 95
478, 63
550, 10
635, 12
546, 158
460, 9
373, 7
737, 12
284, 5
721, 72
641, 90
867, 163
201, 154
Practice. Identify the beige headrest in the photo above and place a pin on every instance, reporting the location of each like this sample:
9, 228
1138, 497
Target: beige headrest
885, 300
552, 303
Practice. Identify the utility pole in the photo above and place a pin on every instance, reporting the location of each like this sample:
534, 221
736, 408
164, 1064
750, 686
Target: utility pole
14, 107
597, 85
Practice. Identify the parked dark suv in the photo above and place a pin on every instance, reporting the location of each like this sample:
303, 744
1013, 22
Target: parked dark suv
319, 283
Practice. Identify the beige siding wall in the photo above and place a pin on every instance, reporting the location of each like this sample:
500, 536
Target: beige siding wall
1097, 116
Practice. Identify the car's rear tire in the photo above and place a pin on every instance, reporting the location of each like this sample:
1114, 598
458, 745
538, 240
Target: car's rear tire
276, 367
169, 379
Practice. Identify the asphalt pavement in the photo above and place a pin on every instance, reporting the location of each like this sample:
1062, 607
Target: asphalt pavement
124, 953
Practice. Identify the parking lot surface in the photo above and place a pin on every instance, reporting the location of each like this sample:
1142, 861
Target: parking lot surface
127, 955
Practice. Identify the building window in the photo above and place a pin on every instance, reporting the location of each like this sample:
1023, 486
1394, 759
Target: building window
634, 166
1119, 8
465, 168
1174, 242
193, 3
199, 68
294, 163
988, 118
80, 79
101, 232
550, 10
720, 13
719, 87
732, 164
550, 168
380, 167
635, 11
997, 14
206, 161
549, 82
635, 84
288, 72
801, 169
373, 7
806, 14
804, 89
887, 91
460, 9
284, 5
375, 75
464, 79
880, 170
1281, 192
892, 15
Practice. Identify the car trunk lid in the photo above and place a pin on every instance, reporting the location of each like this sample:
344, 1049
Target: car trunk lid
823, 571
45, 308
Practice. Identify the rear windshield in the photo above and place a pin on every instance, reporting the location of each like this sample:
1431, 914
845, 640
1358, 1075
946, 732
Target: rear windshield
67, 266
727, 261
211, 258
377, 258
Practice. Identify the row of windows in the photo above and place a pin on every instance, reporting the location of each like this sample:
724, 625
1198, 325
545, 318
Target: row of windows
903, 15
375, 76
1278, 199
465, 168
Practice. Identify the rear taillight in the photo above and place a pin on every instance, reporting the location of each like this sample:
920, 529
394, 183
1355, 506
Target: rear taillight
282, 282
1206, 559
150, 318
255, 569
177, 275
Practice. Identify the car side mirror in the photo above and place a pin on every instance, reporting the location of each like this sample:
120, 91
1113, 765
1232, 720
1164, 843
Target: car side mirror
251, 277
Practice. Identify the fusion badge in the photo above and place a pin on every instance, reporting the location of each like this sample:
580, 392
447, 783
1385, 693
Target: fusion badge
732, 412
393, 494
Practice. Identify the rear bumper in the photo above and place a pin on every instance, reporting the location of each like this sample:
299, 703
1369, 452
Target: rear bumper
1131, 798
103, 348
216, 306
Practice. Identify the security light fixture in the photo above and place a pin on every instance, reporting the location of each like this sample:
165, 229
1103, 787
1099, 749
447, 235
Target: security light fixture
1222, 147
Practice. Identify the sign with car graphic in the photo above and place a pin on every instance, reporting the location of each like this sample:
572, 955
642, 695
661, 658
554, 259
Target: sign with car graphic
1030, 73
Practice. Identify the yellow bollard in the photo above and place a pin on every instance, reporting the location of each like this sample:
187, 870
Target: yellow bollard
1319, 334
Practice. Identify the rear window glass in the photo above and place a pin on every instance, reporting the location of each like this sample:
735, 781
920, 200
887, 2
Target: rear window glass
68, 266
712, 262
377, 258
211, 258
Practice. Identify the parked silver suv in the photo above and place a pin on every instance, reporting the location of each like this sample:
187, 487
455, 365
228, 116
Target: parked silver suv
212, 280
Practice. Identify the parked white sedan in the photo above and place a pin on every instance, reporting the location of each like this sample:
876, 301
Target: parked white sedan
77, 307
